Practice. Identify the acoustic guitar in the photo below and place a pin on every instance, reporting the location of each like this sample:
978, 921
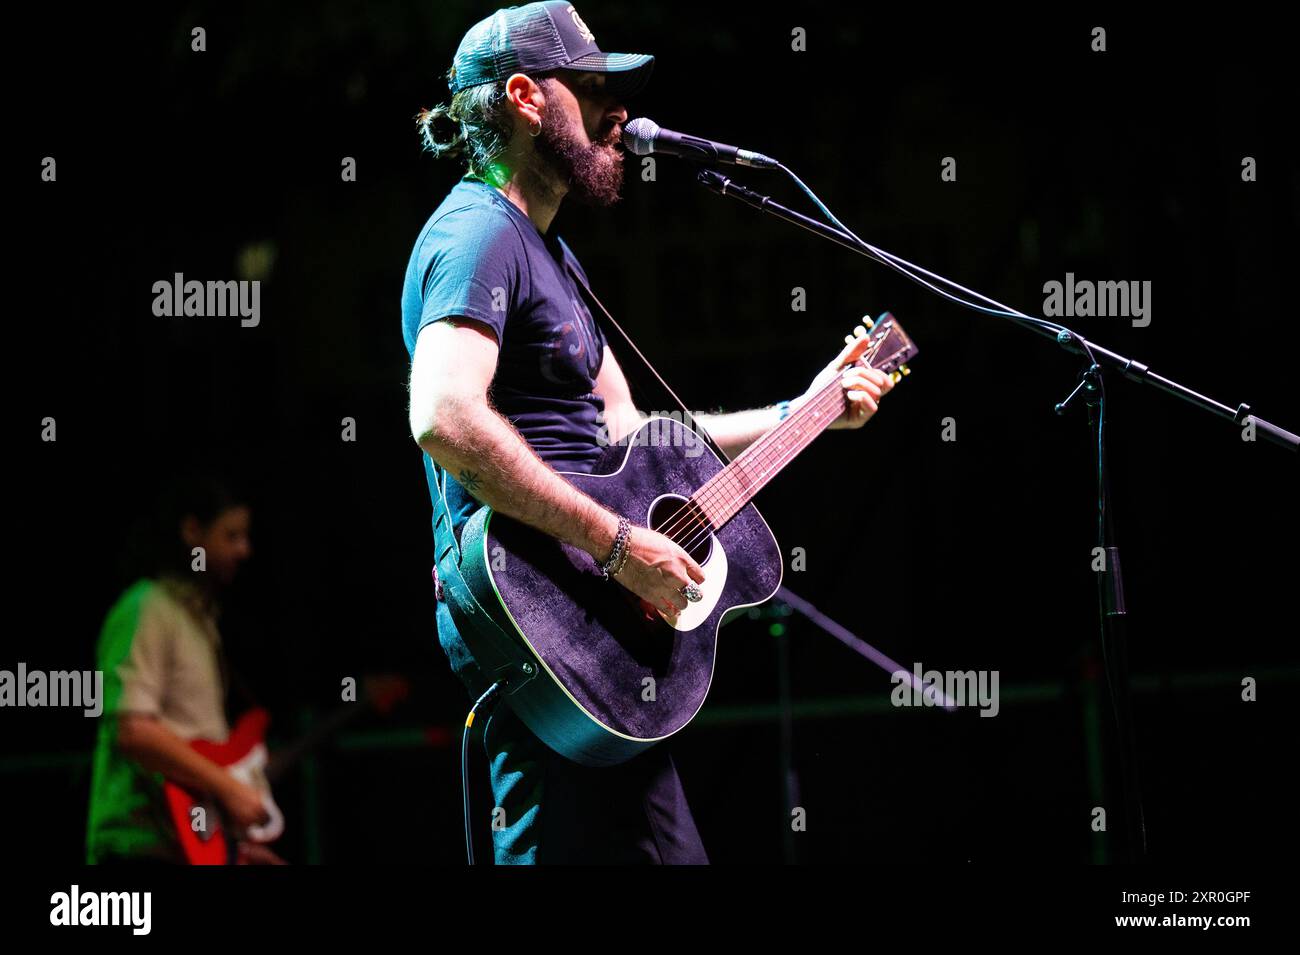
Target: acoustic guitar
589, 667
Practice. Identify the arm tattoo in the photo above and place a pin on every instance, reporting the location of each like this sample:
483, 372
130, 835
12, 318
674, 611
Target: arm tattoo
469, 480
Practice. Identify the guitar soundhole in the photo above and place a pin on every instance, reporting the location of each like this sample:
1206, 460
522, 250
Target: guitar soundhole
674, 516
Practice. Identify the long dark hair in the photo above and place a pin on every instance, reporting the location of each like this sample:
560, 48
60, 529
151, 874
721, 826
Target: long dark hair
155, 547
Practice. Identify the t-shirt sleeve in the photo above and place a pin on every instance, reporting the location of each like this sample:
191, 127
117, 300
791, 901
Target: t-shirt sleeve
133, 656
473, 266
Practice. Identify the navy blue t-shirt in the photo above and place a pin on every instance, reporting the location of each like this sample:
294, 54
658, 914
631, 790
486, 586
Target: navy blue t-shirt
480, 257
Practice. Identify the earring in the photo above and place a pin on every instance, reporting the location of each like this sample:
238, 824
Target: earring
535, 132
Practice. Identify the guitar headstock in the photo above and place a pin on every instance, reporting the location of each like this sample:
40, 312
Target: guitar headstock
891, 347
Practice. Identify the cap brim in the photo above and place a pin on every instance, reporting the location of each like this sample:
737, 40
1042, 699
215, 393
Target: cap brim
628, 73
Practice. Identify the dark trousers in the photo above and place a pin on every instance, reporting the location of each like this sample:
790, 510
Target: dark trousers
555, 811
551, 810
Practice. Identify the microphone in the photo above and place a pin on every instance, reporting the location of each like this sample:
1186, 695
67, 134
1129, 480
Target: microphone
644, 136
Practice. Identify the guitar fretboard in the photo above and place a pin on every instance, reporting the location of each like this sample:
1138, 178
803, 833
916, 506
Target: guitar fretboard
721, 497
730, 489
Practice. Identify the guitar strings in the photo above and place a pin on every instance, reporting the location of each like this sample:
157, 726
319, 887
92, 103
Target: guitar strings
729, 498
762, 450
713, 491
717, 491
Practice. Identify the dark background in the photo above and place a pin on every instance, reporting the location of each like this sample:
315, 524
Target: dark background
970, 554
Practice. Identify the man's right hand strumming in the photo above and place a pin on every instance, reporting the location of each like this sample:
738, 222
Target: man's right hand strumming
657, 569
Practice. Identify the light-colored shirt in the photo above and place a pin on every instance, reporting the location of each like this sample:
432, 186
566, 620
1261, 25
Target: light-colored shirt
160, 653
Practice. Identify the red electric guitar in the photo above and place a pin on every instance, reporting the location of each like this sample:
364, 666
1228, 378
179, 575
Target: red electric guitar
199, 821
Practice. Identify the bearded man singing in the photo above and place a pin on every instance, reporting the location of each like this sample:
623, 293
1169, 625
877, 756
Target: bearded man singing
512, 381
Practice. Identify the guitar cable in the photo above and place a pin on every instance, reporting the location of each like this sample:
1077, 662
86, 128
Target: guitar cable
488, 697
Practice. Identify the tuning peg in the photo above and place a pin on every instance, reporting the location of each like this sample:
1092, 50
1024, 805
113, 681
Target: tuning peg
869, 322
905, 370
895, 377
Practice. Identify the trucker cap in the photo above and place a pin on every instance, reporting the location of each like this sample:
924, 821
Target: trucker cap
536, 38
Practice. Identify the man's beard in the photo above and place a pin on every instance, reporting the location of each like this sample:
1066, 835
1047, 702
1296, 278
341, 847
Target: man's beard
593, 173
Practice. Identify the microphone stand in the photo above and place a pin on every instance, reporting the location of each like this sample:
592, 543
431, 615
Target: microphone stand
1091, 388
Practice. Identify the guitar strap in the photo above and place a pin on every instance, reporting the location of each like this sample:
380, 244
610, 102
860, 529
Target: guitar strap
689, 416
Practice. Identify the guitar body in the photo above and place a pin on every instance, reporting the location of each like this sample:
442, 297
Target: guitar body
589, 669
245, 756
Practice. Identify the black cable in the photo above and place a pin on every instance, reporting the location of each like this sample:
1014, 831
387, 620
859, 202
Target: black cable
490, 695
911, 270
